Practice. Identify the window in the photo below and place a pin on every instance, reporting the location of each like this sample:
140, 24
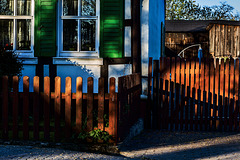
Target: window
16, 26
78, 28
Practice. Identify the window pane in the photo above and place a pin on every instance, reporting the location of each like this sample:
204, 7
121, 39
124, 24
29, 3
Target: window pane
24, 7
6, 34
88, 34
70, 35
6, 7
70, 7
88, 7
23, 34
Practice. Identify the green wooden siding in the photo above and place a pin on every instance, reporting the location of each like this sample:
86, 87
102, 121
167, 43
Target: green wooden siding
111, 28
45, 28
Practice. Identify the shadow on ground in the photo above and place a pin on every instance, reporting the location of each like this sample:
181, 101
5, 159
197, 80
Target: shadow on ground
183, 145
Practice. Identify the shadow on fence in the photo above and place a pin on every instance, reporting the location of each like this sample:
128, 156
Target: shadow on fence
57, 116
187, 95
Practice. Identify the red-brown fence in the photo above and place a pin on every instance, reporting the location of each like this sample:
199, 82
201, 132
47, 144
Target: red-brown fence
192, 95
57, 116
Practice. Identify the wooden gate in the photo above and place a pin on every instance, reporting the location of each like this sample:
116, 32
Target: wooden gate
189, 94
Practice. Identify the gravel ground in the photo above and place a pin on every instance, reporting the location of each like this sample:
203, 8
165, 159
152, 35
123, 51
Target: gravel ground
149, 145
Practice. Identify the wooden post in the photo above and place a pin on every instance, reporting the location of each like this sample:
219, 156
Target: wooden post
36, 108
90, 105
15, 107
112, 108
79, 104
68, 100
25, 108
57, 107
5, 107
46, 108
101, 98
155, 93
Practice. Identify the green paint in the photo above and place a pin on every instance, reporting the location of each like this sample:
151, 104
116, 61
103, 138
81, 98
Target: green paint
112, 28
45, 28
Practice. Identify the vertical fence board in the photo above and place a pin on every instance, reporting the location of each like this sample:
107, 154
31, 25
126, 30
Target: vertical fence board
187, 108
112, 107
25, 108
149, 106
177, 91
5, 107
101, 103
36, 107
178, 70
90, 105
68, 100
57, 108
173, 70
217, 91
155, 113
79, 104
182, 106
46, 108
211, 86
171, 106
182, 78
15, 107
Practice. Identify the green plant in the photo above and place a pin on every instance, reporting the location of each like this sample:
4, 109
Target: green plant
95, 135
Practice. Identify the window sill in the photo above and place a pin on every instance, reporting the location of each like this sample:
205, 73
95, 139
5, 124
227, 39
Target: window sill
78, 60
28, 61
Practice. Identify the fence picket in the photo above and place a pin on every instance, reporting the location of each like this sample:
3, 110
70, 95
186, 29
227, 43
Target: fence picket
101, 103
25, 108
112, 107
79, 104
57, 108
177, 91
68, 103
46, 108
237, 94
36, 107
5, 107
15, 107
90, 104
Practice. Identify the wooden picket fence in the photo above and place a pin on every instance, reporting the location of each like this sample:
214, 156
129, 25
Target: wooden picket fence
189, 94
57, 116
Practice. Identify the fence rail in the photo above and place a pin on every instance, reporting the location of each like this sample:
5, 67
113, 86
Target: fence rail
189, 94
57, 116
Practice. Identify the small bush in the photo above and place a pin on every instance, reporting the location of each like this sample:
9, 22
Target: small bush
10, 65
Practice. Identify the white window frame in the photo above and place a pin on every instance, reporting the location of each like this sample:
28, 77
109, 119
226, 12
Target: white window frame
15, 17
60, 52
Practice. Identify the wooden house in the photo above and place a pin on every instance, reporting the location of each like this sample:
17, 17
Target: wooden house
216, 38
224, 40
107, 38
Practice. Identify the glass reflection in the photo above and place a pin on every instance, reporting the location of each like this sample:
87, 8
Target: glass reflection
70, 35
6, 34
88, 34
70, 7
88, 7
24, 7
6, 7
23, 34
